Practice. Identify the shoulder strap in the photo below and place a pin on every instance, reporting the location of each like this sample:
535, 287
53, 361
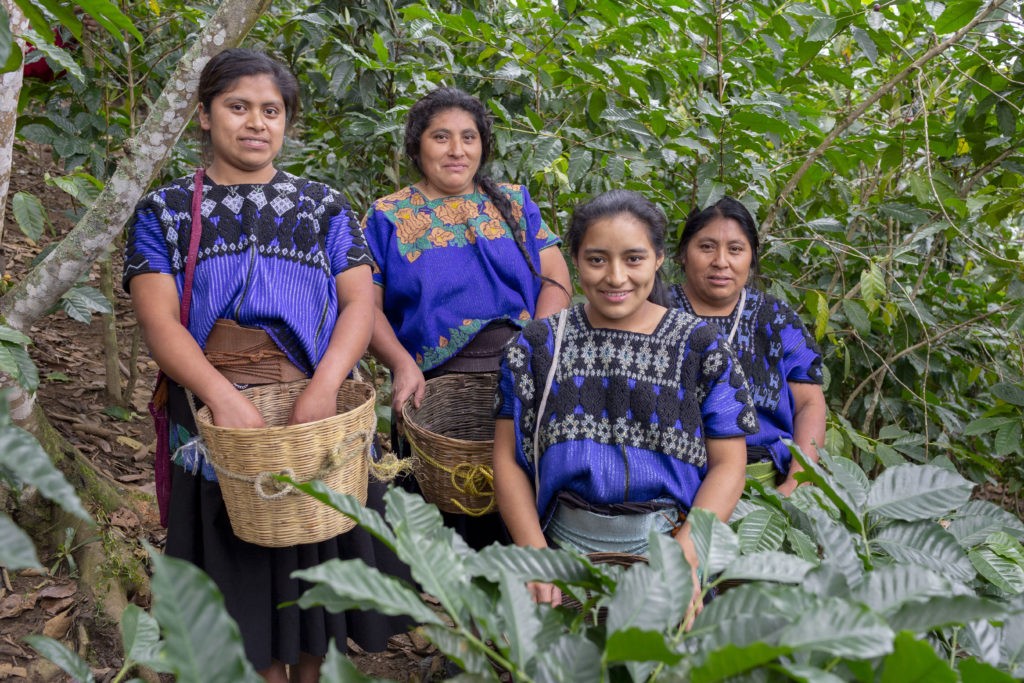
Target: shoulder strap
193, 245
559, 333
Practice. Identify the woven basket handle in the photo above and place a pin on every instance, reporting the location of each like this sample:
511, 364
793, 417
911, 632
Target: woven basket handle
544, 400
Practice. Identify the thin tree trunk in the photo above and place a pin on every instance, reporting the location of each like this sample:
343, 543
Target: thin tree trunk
10, 89
110, 347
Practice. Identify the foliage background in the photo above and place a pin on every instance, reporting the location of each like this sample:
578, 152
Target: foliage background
878, 143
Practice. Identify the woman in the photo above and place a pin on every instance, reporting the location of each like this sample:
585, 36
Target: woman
644, 415
718, 252
280, 260
464, 262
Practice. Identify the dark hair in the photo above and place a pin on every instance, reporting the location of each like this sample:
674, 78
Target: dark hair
225, 68
613, 203
418, 120
726, 207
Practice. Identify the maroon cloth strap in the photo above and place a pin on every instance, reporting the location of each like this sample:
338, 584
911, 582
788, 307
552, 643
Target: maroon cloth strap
193, 245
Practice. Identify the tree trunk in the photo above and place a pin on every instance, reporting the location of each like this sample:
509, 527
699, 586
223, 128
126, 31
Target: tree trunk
10, 89
30, 299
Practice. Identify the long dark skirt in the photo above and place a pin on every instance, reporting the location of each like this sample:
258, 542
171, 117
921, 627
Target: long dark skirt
255, 580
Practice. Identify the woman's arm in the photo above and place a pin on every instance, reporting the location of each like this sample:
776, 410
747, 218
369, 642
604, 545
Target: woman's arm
514, 493
156, 303
348, 342
552, 299
407, 377
809, 410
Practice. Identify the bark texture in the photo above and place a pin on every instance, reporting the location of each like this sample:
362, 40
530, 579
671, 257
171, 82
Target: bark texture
10, 89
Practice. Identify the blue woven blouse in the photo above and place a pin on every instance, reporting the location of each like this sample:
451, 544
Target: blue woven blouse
628, 413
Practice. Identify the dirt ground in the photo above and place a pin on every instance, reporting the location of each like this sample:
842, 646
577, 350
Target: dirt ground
120, 442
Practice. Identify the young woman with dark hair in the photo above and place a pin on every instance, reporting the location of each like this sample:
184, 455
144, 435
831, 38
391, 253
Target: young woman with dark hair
464, 262
718, 252
617, 416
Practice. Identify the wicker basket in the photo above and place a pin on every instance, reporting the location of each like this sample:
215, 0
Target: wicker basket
618, 559
267, 513
452, 436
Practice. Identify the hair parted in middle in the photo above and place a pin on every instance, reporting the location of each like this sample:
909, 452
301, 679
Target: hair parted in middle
726, 207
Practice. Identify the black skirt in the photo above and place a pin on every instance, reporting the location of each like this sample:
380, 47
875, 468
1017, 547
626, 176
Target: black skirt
255, 580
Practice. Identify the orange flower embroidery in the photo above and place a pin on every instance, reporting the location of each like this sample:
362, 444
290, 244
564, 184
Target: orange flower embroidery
517, 212
457, 211
466, 322
417, 200
542, 234
493, 230
413, 255
491, 211
396, 197
524, 314
442, 342
410, 225
440, 237
471, 235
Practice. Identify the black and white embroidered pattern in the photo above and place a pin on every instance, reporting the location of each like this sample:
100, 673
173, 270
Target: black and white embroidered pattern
623, 388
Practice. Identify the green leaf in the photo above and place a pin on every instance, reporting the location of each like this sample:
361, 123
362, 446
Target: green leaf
1011, 393
822, 29
25, 459
81, 302
459, 649
365, 517
1005, 545
980, 672
887, 588
637, 645
867, 45
202, 643
337, 668
30, 215
966, 524
10, 55
927, 544
140, 634
732, 660
987, 424
768, 566
715, 542
530, 564
915, 660
858, 316
380, 48
635, 605
1006, 575
68, 661
16, 549
570, 658
110, 17
872, 286
840, 629
1008, 439
912, 492
16, 362
813, 471
957, 14
941, 611
341, 585
9, 334
728, 615
802, 544
761, 530
520, 620
670, 570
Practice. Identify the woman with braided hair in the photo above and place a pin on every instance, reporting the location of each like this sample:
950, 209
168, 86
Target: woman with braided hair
464, 262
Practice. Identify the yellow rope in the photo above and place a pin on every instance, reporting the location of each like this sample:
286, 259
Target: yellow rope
467, 478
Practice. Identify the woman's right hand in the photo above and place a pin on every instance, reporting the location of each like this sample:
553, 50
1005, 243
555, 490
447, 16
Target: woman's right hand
545, 592
235, 411
407, 381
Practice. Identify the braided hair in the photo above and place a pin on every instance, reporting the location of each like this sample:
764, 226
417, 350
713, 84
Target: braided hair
441, 100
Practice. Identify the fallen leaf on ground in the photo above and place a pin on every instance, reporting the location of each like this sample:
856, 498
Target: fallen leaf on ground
123, 517
57, 627
13, 605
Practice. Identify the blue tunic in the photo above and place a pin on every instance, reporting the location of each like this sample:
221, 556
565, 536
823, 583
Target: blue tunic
628, 413
774, 348
268, 256
449, 267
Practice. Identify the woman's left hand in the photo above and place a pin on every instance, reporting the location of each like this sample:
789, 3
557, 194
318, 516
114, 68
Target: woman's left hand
314, 403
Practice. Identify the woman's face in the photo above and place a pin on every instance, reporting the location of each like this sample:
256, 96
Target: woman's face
450, 151
617, 265
717, 264
246, 123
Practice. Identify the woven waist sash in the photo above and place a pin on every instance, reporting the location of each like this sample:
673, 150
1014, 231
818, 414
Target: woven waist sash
247, 355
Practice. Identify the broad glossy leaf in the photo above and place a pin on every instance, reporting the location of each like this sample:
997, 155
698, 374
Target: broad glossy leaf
958, 13
913, 492
768, 566
81, 302
925, 544
941, 611
982, 640
634, 644
761, 530
521, 624
67, 660
22, 455
201, 642
341, 585
530, 564
979, 672
140, 635
635, 605
30, 215
729, 619
858, 316
9, 334
1011, 393
841, 629
732, 660
838, 546
459, 649
10, 55
867, 45
915, 660
1005, 574
672, 572
816, 473
16, 362
1005, 545
570, 659
851, 479
715, 542
977, 519
350, 506
887, 588
987, 424
872, 286
16, 549
802, 544
337, 668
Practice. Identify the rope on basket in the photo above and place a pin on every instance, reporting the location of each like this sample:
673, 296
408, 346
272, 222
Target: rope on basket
467, 478
339, 456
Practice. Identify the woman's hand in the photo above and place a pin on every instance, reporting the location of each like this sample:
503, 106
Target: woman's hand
232, 409
313, 404
545, 592
690, 553
407, 381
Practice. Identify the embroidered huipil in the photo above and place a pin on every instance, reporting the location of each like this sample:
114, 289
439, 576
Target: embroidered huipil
449, 266
268, 256
628, 413
774, 348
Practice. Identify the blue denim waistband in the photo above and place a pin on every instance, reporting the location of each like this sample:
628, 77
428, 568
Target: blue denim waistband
591, 532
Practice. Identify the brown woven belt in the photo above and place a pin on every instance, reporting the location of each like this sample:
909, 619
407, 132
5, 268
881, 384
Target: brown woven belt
247, 355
